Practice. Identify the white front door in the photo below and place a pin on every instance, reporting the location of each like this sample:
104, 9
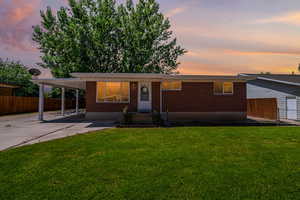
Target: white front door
145, 97
291, 106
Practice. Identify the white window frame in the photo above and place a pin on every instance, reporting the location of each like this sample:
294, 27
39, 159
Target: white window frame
162, 88
223, 92
113, 102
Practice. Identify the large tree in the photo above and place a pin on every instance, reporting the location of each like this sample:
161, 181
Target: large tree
103, 36
13, 72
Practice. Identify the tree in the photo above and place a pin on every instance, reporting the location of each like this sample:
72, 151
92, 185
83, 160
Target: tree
103, 36
16, 73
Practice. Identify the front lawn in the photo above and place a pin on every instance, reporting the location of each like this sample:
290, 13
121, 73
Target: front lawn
174, 163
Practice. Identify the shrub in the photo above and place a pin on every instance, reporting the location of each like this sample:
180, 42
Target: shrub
127, 117
156, 117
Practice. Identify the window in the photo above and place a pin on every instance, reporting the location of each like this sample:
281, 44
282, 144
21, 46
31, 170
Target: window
223, 88
218, 87
171, 85
228, 88
145, 95
115, 92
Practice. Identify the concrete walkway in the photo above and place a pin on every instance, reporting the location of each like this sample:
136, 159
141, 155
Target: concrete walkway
24, 129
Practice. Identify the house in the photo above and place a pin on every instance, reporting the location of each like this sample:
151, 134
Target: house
176, 97
7, 89
284, 87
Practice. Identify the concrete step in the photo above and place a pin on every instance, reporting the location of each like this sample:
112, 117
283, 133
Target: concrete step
142, 117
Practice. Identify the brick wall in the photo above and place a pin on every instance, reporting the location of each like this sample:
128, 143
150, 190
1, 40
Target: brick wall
156, 96
199, 97
194, 97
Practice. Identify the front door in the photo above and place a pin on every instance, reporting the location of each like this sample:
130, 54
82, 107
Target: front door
145, 97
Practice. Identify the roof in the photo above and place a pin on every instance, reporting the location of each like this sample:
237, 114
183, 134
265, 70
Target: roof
72, 83
152, 76
79, 82
291, 79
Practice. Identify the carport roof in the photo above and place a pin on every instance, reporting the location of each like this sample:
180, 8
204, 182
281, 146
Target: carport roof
72, 83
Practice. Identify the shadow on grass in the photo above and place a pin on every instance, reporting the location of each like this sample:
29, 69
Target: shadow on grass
97, 123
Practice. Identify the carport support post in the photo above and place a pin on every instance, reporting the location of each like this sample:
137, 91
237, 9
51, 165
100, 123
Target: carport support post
77, 102
41, 102
62, 101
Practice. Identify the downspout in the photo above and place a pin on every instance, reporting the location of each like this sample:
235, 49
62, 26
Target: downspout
161, 103
161, 111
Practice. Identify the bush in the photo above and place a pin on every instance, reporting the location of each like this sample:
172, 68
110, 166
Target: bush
127, 117
156, 117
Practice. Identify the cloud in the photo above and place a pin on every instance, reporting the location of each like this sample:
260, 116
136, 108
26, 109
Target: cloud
194, 67
292, 18
19, 14
257, 53
207, 53
17, 18
176, 11
233, 61
188, 67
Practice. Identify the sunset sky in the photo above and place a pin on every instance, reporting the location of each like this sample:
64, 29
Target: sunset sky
221, 36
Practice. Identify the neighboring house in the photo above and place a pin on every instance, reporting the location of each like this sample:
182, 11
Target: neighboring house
7, 89
178, 97
285, 88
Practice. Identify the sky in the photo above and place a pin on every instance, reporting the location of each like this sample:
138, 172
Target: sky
222, 37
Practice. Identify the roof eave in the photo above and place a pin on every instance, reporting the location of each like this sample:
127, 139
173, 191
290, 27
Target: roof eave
71, 83
154, 77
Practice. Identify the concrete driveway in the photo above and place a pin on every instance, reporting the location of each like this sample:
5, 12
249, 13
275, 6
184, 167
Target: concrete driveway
24, 129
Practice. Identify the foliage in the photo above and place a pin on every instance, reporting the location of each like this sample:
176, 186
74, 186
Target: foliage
16, 73
103, 36
158, 163
69, 94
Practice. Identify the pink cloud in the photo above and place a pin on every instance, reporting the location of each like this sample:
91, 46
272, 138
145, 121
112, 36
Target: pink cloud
176, 11
22, 12
17, 18
257, 53
190, 67
205, 53
292, 18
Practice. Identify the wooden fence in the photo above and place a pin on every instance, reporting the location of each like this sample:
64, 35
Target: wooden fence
263, 108
12, 104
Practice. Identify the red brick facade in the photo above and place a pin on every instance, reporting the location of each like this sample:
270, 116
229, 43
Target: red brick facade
156, 96
194, 97
199, 97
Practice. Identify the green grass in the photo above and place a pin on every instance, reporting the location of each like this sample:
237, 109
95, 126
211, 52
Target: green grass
175, 163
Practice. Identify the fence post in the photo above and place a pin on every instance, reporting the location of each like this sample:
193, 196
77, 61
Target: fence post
77, 101
41, 102
62, 101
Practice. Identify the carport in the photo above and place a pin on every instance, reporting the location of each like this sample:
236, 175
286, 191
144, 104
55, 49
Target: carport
63, 83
